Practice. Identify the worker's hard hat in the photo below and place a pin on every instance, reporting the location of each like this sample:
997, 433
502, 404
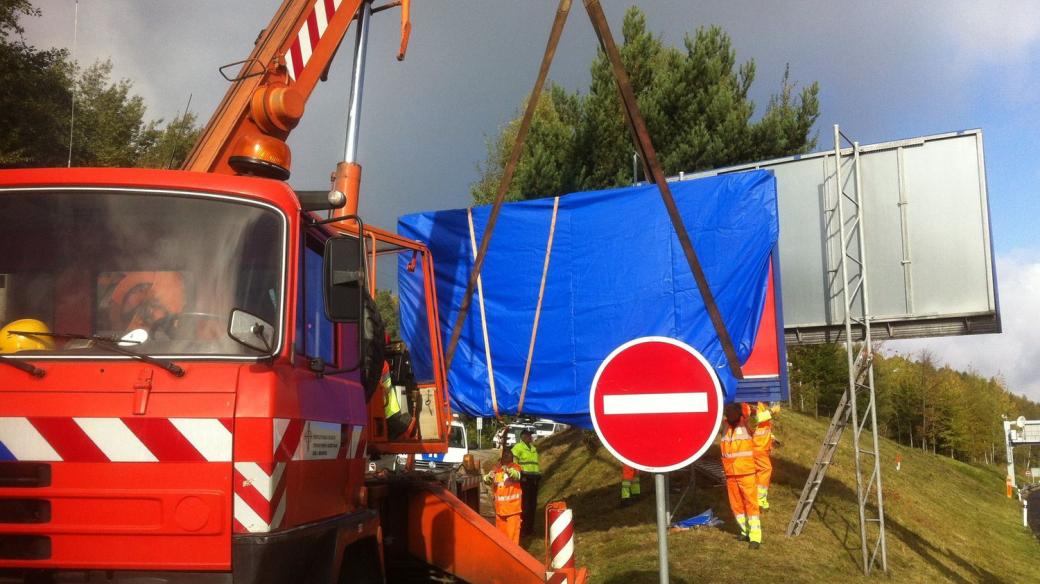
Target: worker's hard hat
12, 342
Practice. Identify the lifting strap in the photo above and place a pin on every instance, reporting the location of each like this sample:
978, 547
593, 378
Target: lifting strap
538, 307
651, 167
483, 317
507, 175
653, 171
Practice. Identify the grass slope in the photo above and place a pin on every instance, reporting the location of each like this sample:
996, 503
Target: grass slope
946, 521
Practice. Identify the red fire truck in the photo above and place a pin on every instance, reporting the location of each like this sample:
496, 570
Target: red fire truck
190, 362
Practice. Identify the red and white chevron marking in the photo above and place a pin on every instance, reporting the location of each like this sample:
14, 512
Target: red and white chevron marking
134, 439
561, 538
259, 505
259, 487
310, 33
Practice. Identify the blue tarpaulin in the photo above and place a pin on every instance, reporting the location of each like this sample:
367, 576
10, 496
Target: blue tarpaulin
707, 518
616, 272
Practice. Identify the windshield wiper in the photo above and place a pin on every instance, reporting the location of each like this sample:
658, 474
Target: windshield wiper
19, 364
112, 344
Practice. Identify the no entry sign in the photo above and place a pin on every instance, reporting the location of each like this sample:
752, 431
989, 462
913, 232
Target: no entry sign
656, 403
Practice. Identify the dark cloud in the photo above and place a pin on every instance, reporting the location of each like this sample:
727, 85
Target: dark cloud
883, 67
887, 70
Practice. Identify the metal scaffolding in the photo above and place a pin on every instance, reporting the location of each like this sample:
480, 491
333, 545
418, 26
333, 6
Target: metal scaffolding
848, 210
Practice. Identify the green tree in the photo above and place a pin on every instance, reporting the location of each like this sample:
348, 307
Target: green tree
695, 103
547, 163
389, 309
34, 97
919, 403
822, 372
109, 125
168, 146
110, 128
10, 12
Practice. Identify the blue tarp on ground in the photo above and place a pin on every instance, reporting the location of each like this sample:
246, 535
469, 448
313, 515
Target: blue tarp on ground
706, 518
616, 272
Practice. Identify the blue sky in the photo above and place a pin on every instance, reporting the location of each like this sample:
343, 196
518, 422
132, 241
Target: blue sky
887, 70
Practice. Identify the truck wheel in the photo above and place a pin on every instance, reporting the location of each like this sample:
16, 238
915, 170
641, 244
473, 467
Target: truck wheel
361, 563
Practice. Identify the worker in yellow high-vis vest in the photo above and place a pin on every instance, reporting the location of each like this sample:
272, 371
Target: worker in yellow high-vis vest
630, 488
526, 456
398, 422
763, 441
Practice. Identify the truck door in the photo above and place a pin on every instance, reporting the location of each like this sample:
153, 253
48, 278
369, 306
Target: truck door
408, 411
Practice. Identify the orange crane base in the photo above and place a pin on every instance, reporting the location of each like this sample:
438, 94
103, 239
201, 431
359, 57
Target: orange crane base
440, 530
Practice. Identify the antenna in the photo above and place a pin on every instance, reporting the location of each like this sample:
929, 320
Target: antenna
75, 67
184, 116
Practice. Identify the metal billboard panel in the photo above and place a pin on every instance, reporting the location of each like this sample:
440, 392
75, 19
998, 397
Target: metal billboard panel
927, 233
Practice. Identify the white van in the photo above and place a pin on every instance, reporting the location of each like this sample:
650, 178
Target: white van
458, 447
510, 434
544, 427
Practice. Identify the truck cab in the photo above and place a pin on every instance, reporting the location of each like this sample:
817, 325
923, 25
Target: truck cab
175, 400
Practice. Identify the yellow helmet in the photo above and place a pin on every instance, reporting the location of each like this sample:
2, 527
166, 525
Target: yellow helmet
12, 343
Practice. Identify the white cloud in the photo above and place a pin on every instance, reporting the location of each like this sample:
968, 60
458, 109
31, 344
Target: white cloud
993, 31
998, 42
1014, 354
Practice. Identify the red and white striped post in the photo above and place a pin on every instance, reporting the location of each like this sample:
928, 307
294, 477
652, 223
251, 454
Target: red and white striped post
559, 545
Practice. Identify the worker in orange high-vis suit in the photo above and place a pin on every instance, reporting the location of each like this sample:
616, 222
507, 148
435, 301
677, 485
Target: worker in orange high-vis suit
507, 493
738, 461
763, 440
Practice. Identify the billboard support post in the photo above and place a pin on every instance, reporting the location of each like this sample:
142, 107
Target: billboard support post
848, 210
854, 291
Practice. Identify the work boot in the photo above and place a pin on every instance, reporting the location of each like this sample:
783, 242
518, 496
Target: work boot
742, 537
754, 545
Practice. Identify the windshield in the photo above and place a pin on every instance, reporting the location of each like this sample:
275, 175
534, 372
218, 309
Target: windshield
108, 263
457, 437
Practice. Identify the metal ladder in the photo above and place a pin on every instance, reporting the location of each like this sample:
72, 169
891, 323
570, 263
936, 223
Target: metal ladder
856, 312
839, 420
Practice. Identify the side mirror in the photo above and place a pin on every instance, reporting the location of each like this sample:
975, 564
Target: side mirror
344, 278
251, 330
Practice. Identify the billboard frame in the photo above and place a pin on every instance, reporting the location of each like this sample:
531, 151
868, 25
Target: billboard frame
913, 322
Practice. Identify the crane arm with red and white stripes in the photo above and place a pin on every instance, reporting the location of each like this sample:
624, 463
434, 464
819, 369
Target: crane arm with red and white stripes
247, 132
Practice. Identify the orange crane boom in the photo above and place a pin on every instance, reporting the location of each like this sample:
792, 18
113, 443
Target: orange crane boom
247, 132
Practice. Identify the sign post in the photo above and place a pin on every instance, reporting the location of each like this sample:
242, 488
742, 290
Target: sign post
662, 526
656, 403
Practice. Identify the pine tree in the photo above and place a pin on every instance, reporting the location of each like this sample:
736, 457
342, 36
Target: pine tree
695, 104
110, 127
